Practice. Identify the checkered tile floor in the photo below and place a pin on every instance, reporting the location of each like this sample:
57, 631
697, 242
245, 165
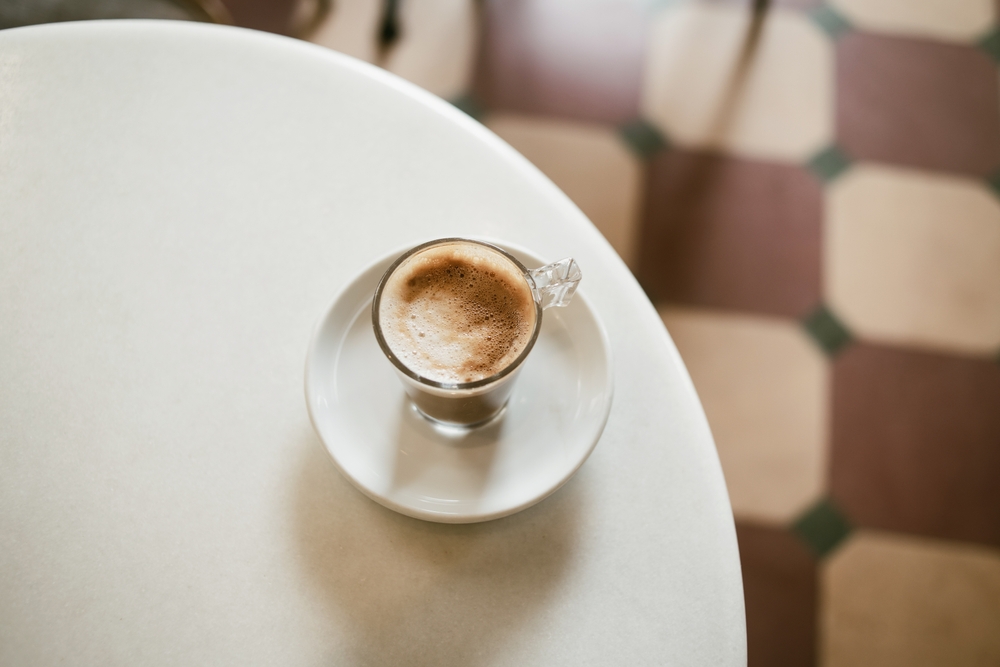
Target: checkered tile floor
810, 195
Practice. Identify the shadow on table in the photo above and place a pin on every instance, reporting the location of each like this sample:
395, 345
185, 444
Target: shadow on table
471, 451
403, 591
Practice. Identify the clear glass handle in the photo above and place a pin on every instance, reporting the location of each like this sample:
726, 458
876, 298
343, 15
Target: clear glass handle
556, 283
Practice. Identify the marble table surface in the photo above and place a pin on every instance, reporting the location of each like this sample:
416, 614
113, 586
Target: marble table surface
178, 205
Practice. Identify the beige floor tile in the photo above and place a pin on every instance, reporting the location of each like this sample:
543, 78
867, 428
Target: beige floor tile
703, 90
952, 20
764, 387
591, 164
351, 28
914, 259
437, 46
897, 601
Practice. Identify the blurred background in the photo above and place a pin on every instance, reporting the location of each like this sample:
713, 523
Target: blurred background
809, 192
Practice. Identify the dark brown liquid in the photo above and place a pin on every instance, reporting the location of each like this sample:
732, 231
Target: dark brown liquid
457, 313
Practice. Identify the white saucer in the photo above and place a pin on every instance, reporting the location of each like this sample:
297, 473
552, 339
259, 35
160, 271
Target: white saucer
555, 416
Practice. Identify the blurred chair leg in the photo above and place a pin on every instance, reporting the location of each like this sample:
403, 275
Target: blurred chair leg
390, 30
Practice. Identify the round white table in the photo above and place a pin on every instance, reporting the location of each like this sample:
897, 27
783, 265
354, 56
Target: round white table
178, 205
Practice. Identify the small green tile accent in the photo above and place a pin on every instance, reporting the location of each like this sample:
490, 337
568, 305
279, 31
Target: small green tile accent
994, 182
830, 21
822, 527
991, 44
829, 163
468, 104
826, 330
644, 139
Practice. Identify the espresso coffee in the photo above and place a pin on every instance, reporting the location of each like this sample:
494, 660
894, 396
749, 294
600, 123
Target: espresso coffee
457, 312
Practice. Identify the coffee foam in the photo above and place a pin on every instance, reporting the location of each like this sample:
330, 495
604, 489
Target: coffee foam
457, 313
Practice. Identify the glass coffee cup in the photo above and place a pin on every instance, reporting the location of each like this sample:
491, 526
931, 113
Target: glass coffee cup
457, 318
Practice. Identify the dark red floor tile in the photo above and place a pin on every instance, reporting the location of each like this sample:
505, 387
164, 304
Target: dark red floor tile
731, 233
916, 442
269, 15
779, 584
575, 60
918, 103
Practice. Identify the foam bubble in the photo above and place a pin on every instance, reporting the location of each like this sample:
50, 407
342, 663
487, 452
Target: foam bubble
463, 311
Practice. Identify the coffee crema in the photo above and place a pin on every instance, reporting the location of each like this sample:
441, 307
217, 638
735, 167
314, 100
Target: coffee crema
457, 313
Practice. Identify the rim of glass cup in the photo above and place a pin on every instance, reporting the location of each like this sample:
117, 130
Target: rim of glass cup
400, 366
